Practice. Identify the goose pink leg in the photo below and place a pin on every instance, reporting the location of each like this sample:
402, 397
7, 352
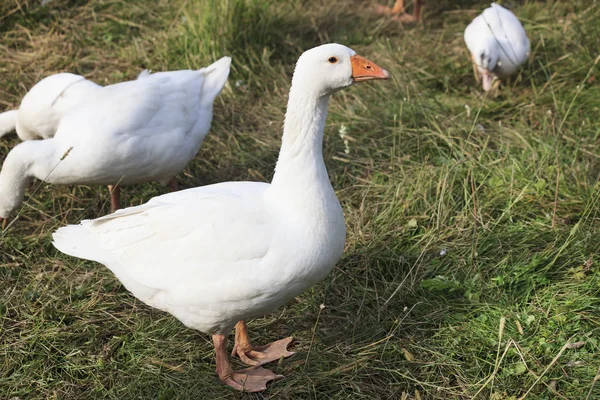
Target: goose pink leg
172, 185
258, 355
115, 197
253, 379
398, 12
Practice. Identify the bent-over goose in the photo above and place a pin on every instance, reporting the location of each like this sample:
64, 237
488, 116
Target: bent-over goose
144, 130
498, 44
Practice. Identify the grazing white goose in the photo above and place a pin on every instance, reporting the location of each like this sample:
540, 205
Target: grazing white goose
498, 44
45, 104
144, 130
216, 255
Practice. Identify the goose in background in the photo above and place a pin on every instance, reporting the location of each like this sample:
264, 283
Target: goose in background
498, 44
144, 130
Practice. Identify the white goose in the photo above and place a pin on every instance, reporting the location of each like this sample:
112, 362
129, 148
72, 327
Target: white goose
45, 104
498, 44
216, 255
144, 130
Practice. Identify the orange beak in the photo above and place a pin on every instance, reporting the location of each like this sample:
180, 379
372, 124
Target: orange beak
365, 70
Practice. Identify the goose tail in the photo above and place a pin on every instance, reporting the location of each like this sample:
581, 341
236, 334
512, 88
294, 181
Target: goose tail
74, 240
145, 73
216, 76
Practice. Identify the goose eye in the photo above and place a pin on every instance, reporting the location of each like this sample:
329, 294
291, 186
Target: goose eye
332, 60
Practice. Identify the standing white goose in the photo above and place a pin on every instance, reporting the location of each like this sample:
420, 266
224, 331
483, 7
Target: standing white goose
217, 255
144, 130
498, 44
45, 104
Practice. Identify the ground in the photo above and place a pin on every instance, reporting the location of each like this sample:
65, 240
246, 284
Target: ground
472, 263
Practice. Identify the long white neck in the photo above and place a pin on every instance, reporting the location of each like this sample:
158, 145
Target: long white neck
27, 160
300, 189
13, 180
300, 173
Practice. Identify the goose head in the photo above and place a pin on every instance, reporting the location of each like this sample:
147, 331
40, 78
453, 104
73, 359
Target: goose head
326, 69
486, 58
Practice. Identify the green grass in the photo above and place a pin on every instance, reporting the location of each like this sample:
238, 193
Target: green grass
472, 266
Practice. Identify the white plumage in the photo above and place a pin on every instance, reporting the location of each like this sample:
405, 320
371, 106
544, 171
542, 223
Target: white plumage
498, 44
42, 108
212, 256
216, 255
148, 129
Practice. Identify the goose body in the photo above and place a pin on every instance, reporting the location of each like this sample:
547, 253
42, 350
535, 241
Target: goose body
216, 255
44, 105
498, 44
144, 130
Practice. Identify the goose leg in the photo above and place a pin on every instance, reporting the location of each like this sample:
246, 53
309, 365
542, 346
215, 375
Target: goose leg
115, 197
398, 7
253, 379
258, 355
172, 185
417, 10
385, 10
403, 16
399, 13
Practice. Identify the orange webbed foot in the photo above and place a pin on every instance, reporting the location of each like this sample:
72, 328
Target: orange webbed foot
263, 354
252, 379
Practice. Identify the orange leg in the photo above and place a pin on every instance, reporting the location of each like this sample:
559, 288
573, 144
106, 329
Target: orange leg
253, 379
115, 197
258, 355
399, 14
398, 7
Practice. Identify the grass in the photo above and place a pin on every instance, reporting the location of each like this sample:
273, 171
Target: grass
472, 266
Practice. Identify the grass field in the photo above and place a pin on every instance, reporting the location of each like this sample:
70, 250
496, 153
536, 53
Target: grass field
472, 263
